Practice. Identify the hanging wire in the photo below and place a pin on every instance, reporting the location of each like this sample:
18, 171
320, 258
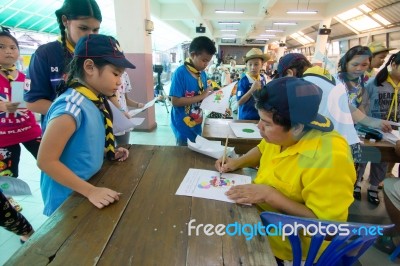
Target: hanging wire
298, 5
308, 3
225, 5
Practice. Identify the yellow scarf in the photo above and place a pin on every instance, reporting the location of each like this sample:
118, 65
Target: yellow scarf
8, 71
99, 102
256, 78
69, 45
190, 66
394, 99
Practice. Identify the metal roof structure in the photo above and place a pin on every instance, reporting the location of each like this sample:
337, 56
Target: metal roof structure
185, 15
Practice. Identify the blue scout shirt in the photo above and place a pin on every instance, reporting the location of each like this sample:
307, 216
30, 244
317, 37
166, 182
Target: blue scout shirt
247, 111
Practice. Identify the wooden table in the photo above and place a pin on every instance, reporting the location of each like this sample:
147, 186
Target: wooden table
379, 151
218, 129
148, 226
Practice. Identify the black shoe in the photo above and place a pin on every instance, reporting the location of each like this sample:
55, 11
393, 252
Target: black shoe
357, 193
385, 244
373, 197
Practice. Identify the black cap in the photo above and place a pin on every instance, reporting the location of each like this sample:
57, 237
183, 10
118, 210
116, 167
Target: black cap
297, 100
102, 46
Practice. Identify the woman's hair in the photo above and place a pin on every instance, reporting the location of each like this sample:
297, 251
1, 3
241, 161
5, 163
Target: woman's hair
73, 10
76, 71
347, 57
261, 97
383, 73
356, 50
203, 43
5, 32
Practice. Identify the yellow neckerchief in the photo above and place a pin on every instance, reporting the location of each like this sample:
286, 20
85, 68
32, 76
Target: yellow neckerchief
190, 66
99, 102
7, 72
69, 45
394, 99
319, 71
256, 78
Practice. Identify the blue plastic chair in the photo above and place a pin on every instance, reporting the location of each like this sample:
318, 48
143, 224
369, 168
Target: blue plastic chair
342, 249
395, 253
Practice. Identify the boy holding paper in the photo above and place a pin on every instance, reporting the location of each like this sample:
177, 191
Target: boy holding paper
16, 125
188, 89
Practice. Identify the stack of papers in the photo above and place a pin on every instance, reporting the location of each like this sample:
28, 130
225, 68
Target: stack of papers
210, 148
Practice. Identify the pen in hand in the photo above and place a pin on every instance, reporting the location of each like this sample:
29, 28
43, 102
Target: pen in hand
223, 157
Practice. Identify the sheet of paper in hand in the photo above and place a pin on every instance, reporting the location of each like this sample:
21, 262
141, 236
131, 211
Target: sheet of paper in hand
121, 122
12, 186
206, 184
17, 93
218, 101
134, 112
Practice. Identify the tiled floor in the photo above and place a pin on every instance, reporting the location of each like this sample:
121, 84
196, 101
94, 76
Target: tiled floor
33, 206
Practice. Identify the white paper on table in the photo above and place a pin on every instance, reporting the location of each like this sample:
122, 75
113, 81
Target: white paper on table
245, 130
17, 93
391, 137
147, 105
201, 183
394, 123
121, 122
12, 186
210, 148
218, 101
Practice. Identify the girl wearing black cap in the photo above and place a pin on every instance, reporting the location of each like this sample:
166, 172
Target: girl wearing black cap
76, 18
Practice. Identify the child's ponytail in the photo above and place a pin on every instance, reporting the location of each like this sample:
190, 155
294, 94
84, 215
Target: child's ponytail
384, 72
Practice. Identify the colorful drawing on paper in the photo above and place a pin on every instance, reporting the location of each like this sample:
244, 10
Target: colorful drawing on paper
248, 130
217, 182
206, 184
218, 95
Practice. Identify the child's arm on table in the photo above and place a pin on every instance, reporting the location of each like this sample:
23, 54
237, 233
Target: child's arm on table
56, 136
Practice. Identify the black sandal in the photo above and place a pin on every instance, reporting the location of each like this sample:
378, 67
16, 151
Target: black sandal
373, 197
357, 192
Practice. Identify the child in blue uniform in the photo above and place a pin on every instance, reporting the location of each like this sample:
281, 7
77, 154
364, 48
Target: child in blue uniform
188, 89
72, 149
76, 18
251, 82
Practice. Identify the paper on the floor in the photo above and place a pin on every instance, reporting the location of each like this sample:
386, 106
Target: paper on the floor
12, 186
218, 101
206, 184
245, 130
210, 148
121, 122
147, 105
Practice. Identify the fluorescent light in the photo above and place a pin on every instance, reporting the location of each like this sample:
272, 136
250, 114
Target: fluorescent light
306, 12
285, 23
229, 11
271, 30
228, 38
229, 35
229, 22
230, 30
267, 35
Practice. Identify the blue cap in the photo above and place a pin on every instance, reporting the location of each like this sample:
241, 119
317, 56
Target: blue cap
298, 100
287, 61
102, 46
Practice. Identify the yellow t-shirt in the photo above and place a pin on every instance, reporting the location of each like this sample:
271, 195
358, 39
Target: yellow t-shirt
317, 171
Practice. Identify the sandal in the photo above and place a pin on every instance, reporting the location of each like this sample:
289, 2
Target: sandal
14, 204
357, 193
385, 244
373, 197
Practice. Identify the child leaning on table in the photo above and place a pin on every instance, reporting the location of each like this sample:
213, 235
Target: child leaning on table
78, 125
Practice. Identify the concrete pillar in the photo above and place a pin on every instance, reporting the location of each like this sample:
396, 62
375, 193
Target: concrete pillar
130, 18
320, 45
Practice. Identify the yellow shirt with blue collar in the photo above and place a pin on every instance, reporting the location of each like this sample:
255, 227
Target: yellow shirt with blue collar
317, 171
